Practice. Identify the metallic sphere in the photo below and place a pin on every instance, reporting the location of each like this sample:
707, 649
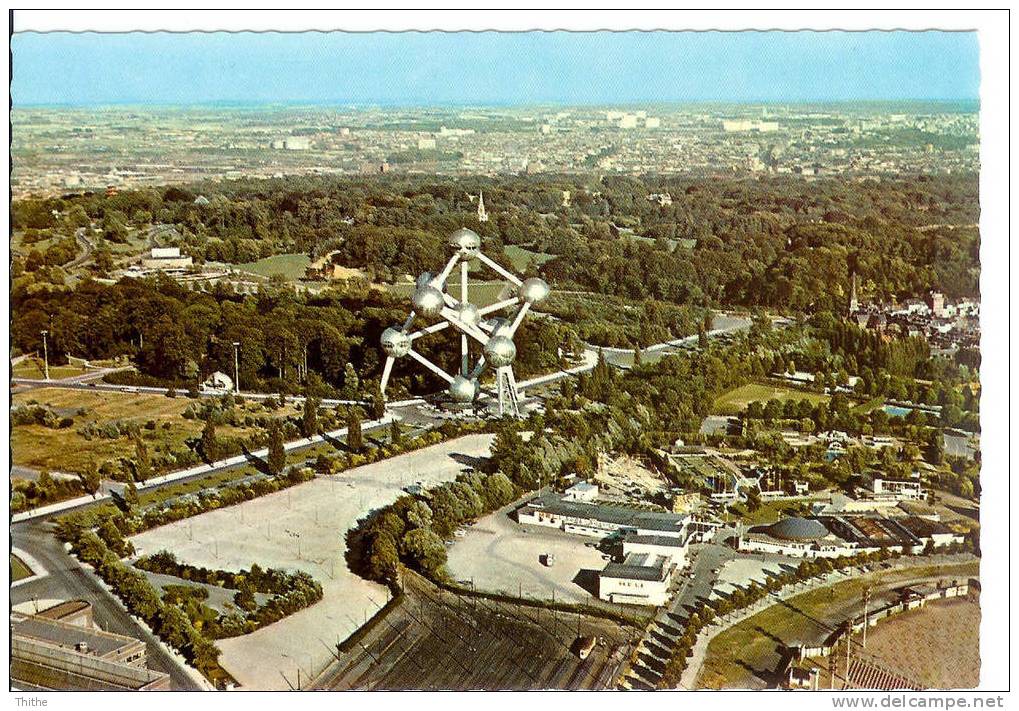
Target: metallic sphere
500, 351
428, 301
463, 389
468, 313
467, 241
533, 290
395, 343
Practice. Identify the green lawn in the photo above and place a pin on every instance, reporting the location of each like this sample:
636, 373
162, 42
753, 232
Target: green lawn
520, 257
735, 653
872, 404
19, 571
33, 368
291, 266
736, 400
481, 293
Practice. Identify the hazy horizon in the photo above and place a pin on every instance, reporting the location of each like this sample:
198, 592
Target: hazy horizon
492, 69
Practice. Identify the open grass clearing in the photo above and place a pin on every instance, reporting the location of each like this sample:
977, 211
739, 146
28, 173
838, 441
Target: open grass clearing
290, 266
736, 400
520, 257
40, 447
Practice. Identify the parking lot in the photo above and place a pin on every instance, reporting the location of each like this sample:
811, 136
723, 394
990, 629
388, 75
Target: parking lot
498, 554
303, 528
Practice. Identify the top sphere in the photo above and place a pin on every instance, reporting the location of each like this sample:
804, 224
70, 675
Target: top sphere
428, 301
467, 241
533, 290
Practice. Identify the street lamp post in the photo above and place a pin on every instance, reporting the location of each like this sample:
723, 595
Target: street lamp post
237, 369
45, 356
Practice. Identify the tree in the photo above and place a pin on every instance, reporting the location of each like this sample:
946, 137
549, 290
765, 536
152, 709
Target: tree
355, 438
209, 443
753, 501
638, 356
309, 419
90, 479
131, 495
143, 465
351, 383
277, 457
383, 557
378, 404
426, 549
395, 433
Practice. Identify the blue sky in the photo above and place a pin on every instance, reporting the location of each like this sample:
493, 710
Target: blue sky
492, 68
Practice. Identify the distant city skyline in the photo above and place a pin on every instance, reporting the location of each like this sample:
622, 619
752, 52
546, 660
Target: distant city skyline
491, 68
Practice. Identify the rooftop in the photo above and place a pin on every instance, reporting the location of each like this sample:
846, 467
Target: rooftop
639, 566
619, 516
68, 636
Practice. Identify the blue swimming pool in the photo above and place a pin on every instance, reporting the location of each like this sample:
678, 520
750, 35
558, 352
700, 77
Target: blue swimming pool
896, 411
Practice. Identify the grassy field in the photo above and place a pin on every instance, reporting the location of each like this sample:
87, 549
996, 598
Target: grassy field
735, 655
33, 368
290, 266
19, 571
771, 511
872, 404
67, 450
735, 401
481, 293
520, 257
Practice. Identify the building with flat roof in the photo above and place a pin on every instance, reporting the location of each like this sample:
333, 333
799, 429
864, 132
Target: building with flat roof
166, 259
641, 579
54, 650
599, 520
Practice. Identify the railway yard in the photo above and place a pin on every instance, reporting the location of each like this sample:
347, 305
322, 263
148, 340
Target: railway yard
435, 639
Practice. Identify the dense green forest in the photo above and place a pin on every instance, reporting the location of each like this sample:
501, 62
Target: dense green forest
177, 335
779, 242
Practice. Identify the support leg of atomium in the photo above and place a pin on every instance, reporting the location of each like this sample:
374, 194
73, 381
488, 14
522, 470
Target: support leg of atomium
509, 398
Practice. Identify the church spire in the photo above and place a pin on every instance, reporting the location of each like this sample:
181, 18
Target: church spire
482, 215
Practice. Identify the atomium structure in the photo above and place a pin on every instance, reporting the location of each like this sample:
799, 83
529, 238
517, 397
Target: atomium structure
492, 333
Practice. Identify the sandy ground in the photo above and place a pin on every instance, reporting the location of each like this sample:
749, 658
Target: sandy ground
622, 473
303, 528
938, 646
501, 555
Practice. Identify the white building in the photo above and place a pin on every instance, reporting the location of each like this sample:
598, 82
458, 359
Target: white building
641, 579
166, 259
796, 537
674, 548
898, 490
581, 491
